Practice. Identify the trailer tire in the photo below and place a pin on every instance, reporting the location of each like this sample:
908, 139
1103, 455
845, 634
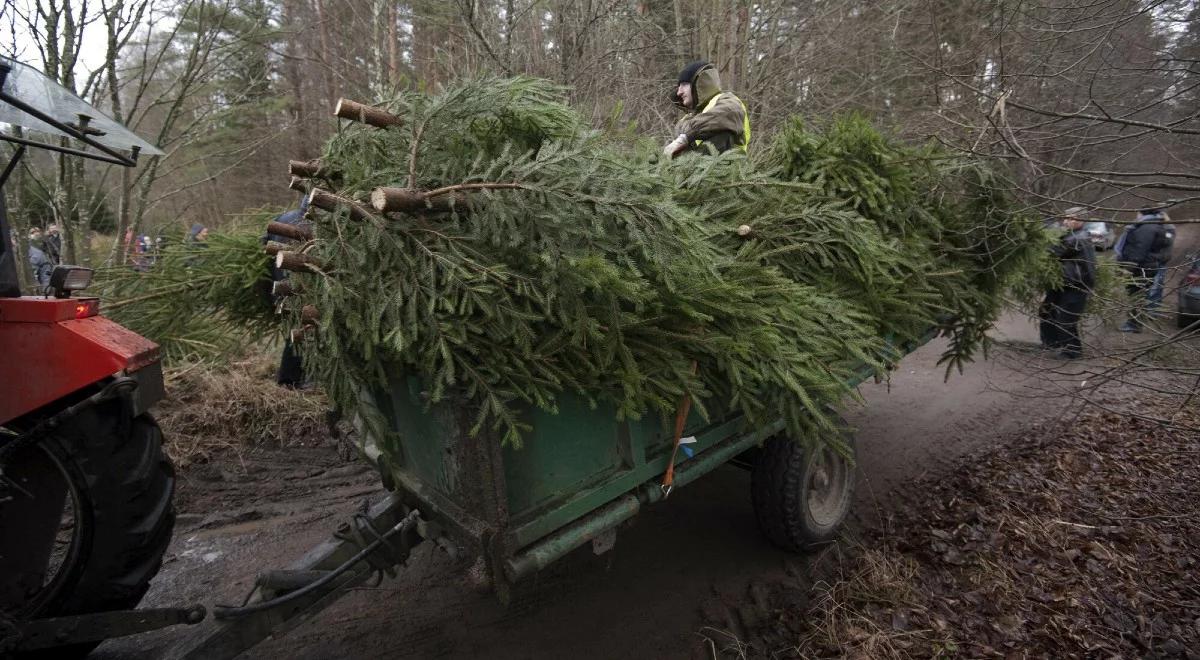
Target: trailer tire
125, 515
800, 497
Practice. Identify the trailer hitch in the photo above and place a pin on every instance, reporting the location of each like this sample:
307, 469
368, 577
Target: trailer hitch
375, 542
36, 634
304, 582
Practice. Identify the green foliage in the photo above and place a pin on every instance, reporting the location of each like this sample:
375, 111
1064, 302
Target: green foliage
586, 277
1108, 299
961, 241
853, 162
811, 237
572, 266
607, 275
197, 301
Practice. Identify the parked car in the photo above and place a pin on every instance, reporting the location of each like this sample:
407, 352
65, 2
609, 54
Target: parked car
1189, 293
1101, 234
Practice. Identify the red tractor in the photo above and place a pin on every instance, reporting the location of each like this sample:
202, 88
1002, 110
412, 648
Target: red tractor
85, 488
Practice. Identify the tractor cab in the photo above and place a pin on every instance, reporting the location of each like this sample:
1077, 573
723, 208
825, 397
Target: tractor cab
55, 357
86, 491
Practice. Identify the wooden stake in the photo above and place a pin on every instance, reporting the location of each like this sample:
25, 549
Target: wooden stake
297, 262
330, 202
353, 110
294, 232
387, 200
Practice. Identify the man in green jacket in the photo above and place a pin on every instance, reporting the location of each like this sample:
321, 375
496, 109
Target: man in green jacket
715, 118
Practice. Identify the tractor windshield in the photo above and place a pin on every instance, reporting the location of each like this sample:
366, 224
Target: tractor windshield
46, 103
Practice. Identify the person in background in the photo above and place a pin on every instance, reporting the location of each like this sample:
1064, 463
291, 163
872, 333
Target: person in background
144, 254
715, 118
129, 244
52, 244
196, 240
39, 261
1154, 295
1063, 306
198, 234
1143, 250
291, 370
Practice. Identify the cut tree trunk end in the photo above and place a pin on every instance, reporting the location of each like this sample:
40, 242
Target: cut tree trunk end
353, 110
272, 248
285, 288
297, 262
309, 315
298, 185
328, 201
306, 169
387, 200
311, 169
294, 232
299, 334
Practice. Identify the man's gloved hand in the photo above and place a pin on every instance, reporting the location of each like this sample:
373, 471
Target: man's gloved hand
675, 146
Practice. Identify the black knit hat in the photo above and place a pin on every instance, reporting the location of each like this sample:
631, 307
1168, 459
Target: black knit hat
689, 72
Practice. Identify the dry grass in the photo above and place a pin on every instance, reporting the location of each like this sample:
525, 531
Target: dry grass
209, 409
869, 610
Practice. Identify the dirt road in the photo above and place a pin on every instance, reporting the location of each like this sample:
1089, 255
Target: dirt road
676, 566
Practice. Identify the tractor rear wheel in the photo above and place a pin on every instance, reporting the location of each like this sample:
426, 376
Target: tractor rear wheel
801, 496
86, 516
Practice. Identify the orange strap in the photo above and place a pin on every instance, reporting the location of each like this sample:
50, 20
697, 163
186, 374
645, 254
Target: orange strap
681, 415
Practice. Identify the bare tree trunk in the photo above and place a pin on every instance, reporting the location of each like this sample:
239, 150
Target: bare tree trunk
393, 44
936, 41
111, 16
375, 75
323, 22
427, 34
537, 40
509, 26
680, 45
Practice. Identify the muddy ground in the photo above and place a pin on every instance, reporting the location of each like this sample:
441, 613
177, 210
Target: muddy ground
676, 569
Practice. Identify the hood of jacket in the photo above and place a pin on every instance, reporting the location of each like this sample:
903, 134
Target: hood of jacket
705, 86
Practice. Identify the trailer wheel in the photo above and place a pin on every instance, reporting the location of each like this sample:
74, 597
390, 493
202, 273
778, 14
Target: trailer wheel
86, 518
801, 497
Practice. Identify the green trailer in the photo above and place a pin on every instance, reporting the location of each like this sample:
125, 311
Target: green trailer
506, 512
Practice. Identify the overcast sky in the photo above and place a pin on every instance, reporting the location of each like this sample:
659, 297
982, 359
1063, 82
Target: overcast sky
19, 43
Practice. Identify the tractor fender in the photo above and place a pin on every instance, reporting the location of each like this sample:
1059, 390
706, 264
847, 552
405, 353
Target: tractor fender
52, 347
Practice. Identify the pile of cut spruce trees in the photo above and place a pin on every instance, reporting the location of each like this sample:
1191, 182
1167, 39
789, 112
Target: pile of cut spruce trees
487, 241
